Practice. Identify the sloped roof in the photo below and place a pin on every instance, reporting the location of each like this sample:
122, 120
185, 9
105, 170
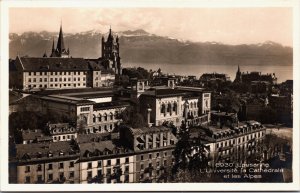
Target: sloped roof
113, 104
144, 130
44, 148
53, 64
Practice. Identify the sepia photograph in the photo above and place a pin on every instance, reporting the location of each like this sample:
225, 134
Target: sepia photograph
161, 95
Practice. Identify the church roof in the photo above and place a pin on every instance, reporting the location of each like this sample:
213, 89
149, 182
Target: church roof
60, 43
53, 64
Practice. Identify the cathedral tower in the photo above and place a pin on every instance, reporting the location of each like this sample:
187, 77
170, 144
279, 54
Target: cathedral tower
110, 51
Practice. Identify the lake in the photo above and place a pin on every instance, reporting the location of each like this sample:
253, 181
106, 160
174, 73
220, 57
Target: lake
283, 73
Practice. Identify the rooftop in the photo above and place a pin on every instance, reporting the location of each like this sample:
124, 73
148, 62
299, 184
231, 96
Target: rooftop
112, 104
53, 64
144, 130
92, 137
67, 99
40, 150
32, 134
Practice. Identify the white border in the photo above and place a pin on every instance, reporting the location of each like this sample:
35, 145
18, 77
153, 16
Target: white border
5, 5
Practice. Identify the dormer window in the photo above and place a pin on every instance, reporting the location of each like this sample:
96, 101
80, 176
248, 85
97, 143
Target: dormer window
39, 154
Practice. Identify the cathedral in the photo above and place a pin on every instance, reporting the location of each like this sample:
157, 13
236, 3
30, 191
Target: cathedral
110, 52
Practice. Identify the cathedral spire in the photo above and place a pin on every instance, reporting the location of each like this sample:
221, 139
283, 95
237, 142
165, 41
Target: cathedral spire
53, 49
110, 37
60, 42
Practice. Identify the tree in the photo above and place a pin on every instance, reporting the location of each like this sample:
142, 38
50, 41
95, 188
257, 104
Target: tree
190, 158
131, 117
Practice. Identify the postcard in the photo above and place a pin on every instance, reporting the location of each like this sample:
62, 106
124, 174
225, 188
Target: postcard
150, 96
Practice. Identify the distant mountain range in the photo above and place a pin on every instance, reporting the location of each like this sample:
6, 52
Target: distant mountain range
139, 46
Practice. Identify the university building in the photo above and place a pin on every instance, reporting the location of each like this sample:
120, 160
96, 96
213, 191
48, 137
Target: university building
61, 71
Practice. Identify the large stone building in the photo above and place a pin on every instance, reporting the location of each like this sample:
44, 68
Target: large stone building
133, 155
167, 105
60, 70
45, 163
242, 77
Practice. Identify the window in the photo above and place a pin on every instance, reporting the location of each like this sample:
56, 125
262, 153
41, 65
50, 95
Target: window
165, 154
55, 79
34, 73
157, 154
108, 162
89, 165
39, 178
165, 162
49, 166
41, 80
61, 175
27, 179
45, 79
108, 171
150, 156
65, 79
99, 173
29, 80
71, 175
126, 168
34, 79
39, 167
82, 109
29, 73
27, 169
61, 165
142, 157
157, 164
50, 177
99, 164
71, 164
127, 160
118, 161
126, 178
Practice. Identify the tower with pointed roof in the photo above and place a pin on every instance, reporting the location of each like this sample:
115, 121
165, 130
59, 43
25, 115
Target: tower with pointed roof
60, 50
238, 76
110, 52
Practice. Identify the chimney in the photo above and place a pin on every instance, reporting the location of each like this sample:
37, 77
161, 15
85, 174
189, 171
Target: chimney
148, 116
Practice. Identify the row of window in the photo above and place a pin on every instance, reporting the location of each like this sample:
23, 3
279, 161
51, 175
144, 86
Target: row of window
64, 137
241, 139
50, 177
50, 166
105, 117
103, 128
164, 154
108, 163
56, 73
54, 85
55, 79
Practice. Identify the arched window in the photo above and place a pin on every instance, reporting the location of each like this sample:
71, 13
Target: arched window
105, 117
111, 116
169, 107
195, 104
175, 107
162, 108
94, 118
99, 117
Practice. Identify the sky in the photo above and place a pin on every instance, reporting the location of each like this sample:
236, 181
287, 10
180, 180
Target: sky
225, 25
